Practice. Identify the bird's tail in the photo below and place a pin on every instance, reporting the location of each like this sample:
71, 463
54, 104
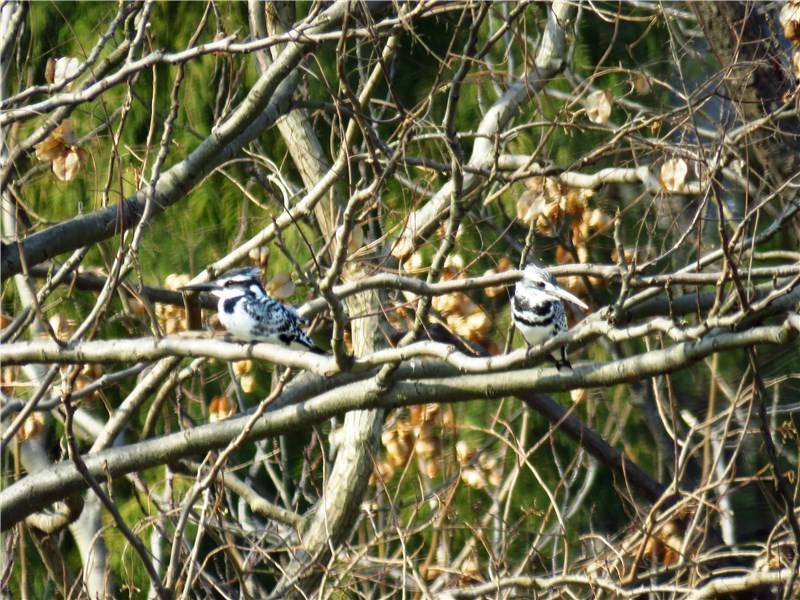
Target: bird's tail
304, 340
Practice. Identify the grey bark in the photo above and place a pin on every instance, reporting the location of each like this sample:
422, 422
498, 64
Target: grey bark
331, 520
747, 50
417, 384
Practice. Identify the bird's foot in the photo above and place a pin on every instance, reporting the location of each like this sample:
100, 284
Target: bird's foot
562, 364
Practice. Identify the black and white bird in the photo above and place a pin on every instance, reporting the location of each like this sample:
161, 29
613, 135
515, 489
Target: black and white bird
538, 311
249, 314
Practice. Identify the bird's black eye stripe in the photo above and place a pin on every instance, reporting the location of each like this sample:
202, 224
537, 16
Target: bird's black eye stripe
540, 284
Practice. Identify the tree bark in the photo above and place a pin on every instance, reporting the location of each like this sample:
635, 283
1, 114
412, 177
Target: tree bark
331, 520
745, 46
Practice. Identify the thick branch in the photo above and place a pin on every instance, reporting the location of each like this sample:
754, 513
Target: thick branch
37, 491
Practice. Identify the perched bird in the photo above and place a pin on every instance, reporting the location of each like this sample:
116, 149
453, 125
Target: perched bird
538, 312
249, 314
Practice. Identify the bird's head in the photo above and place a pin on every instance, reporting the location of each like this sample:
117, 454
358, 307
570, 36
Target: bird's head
232, 285
538, 281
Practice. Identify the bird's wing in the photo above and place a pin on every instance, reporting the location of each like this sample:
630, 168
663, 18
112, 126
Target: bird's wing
287, 310
293, 311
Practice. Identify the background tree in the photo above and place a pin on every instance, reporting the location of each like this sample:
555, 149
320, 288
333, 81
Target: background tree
389, 166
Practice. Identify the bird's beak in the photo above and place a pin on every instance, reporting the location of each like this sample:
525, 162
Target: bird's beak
565, 295
200, 287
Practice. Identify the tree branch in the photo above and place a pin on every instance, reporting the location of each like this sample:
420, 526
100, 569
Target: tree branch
37, 491
267, 100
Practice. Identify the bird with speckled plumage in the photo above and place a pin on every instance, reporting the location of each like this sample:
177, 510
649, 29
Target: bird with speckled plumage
538, 311
248, 313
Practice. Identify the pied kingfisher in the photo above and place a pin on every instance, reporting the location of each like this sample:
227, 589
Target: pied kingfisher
249, 314
538, 312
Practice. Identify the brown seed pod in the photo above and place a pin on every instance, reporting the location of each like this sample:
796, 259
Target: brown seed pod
220, 408
32, 427
242, 366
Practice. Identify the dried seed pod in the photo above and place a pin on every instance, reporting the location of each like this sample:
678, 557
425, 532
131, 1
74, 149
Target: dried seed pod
397, 452
463, 452
424, 413
215, 323
432, 468
248, 383
403, 248
479, 325
598, 106
89, 373
61, 326
473, 478
628, 255
59, 70
173, 325
579, 395
598, 220
92, 370
487, 462
280, 286
415, 263
530, 207
673, 174
356, 240
172, 319
576, 201
493, 291
382, 473
448, 303
173, 281
31, 428
54, 145
575, 285
241, 367
453, 267
562, 256
60, 148
504, 264
260, 256
493, 348
790, 21
8, 379
582, 250
404, 429
348, 340
387, 436
426, 448
137, 307
641, 84
458, 325
66, 166
470, 571
495, 477
220, 408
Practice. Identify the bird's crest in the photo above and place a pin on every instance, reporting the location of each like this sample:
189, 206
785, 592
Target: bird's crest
243, 276
534, 273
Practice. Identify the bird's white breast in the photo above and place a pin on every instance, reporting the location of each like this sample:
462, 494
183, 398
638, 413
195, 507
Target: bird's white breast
535, 335
238, 323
